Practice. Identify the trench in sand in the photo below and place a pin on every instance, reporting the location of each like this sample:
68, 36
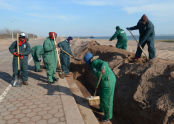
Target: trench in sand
143, 90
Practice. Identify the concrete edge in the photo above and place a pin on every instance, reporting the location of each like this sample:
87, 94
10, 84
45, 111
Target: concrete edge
72, 113
88, 115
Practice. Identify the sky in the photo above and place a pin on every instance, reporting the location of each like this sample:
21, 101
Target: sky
84, 17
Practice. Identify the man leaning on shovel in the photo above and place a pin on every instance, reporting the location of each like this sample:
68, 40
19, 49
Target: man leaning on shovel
147, 34
64, 57
50, 57
24, 51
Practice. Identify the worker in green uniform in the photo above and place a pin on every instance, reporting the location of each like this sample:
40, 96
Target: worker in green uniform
122, 38
106, 86
50, 57
64, 58
147, 35
37, 52
24, 51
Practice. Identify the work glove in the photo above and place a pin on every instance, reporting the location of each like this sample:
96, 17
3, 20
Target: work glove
59, 47
128, 28
61, 50
21, 55
139, 44
103, 70
15, 54
39, 59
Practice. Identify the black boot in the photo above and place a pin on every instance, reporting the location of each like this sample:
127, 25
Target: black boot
55, 79
39, 70
49, 82
104, 120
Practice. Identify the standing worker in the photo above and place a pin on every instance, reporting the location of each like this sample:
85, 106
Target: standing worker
24, 51
37, 52
50, 57
122, 38
107, 84
64, 58
147, 34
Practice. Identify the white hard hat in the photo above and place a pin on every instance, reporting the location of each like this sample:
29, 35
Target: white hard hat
22, 34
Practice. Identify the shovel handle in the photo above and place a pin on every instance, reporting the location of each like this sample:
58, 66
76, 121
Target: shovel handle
77, 59
70, 55
18, 51
58, 58
66, 53
98, 84
137, 42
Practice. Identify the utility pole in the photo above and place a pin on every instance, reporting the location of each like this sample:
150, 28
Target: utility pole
12, 35
12, 28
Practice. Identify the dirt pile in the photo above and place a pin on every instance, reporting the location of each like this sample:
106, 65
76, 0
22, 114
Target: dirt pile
144, 89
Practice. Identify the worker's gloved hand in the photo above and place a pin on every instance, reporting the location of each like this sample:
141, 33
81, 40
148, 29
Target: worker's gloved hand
21, 55
139, 44
103, 70
61, 50
128, 28
39, 59
15, 54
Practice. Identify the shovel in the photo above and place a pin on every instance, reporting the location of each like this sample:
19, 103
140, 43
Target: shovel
95, 100
18, 78
70, 55
60, 72
137, 42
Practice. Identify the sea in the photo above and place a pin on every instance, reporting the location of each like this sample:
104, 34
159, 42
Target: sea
171, 37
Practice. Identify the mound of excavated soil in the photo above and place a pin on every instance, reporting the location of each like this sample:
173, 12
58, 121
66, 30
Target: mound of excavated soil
144, 89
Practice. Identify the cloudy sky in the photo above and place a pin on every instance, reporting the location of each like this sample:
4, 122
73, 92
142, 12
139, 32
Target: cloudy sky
84, 17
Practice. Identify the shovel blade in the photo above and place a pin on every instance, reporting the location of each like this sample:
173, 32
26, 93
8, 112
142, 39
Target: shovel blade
17, 81
61, 75
93, 100
77, 59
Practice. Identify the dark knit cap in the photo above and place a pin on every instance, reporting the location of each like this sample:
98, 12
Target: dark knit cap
69, 38
117, 27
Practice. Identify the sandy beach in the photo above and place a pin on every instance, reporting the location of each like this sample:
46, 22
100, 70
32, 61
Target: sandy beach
137, 82
164, 50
